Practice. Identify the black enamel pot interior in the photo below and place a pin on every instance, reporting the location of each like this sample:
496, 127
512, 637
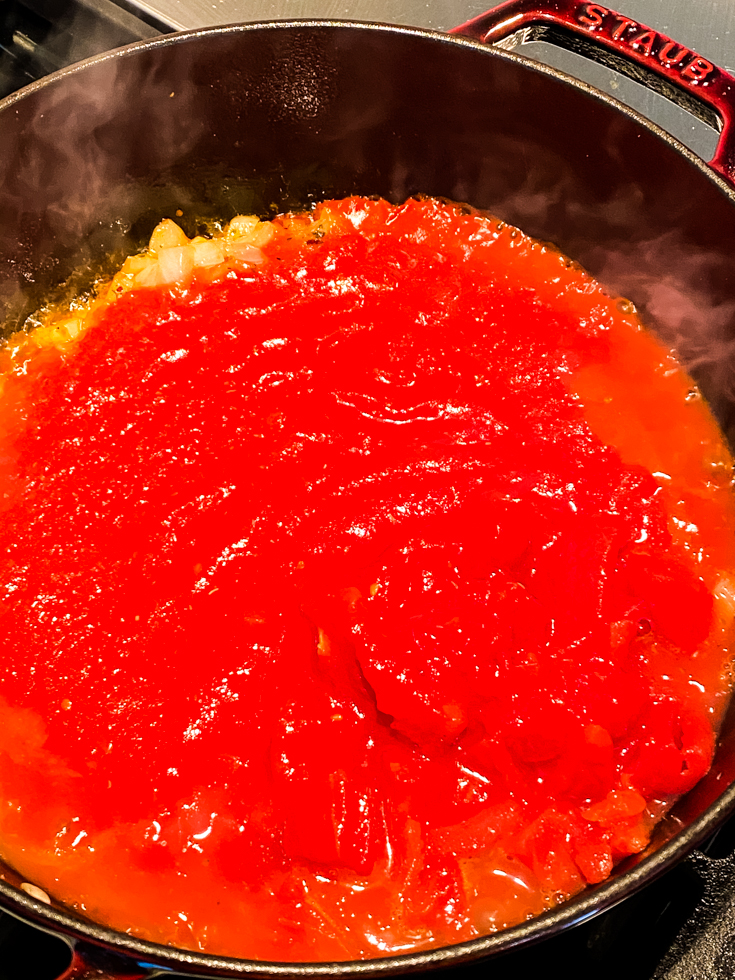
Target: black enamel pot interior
274, 116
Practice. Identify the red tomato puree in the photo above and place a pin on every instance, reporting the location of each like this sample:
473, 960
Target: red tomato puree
364, 593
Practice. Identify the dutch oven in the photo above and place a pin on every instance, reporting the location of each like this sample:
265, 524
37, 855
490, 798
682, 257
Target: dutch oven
273, 116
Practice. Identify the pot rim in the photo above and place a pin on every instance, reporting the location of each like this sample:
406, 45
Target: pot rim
594, 900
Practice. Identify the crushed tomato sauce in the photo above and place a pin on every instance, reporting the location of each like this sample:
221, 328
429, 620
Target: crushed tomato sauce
363, 600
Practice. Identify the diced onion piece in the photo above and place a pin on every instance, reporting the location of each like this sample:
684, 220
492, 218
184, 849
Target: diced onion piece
264, 233
135, 264
150, 276
72, 327
127, 277
35, 892
241, 227
167, 234
176, 264
240, 251
52, 335
208, 253
248, 228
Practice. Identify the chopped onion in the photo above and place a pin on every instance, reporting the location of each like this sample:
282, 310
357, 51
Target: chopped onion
135, 264
264, 233
208, 253
167, 234
241, 227
176, 264
240, 251
248, 228
149, 276
35, 892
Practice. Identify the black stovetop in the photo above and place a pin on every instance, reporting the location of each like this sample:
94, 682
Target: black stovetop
40, 36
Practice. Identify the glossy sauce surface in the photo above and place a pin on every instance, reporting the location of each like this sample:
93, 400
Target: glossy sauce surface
359, 601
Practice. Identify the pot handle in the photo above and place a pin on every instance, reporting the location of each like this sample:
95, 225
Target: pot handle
93, 963
668, 67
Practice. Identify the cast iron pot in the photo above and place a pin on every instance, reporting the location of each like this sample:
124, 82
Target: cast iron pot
267, 117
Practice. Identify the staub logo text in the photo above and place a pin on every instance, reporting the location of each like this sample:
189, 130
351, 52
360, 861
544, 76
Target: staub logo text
691, 68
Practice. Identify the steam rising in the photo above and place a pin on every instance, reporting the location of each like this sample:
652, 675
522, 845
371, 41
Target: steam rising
677, 286
79, 133
679, 304
73, 150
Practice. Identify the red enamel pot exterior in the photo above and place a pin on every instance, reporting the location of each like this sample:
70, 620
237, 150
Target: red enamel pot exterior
634, 48
256, 117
